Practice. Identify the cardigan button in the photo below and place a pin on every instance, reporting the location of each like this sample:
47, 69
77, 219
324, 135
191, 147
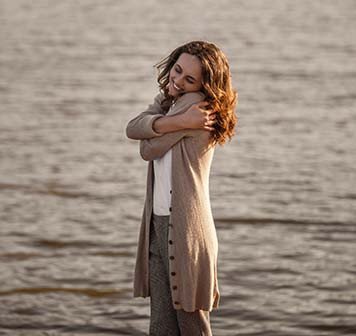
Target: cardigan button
170, 191
170, 242
175, 287
171, 257
170, 209
173, 273
176, 302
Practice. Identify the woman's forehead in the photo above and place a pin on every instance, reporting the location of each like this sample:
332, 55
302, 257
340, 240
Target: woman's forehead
190, 64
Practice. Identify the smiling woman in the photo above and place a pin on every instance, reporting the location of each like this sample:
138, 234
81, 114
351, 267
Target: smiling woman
199, 66
176, 261
185, 75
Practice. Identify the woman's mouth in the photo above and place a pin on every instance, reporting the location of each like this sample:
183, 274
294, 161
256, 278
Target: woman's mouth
176, 87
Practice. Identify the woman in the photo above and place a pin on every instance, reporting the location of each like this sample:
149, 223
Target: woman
177, 252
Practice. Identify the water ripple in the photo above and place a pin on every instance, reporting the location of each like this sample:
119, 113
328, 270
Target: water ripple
91, 292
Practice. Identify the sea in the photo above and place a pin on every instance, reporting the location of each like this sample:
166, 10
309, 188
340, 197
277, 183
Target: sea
72, 185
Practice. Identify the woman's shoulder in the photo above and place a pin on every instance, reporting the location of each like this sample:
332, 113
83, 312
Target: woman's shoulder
187, 100
159, 98
191, 97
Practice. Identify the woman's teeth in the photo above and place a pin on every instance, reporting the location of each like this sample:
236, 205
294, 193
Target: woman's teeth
176, 87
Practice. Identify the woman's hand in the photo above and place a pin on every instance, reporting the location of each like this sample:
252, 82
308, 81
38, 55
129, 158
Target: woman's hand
199, 117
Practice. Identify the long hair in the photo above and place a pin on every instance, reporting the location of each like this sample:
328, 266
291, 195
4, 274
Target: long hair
216, 85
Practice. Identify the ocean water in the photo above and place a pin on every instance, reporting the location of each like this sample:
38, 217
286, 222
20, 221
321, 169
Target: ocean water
73, 73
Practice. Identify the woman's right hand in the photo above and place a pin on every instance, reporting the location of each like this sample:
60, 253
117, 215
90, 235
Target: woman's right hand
199, 117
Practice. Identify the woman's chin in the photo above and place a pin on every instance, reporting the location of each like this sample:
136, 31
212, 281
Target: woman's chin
173, 94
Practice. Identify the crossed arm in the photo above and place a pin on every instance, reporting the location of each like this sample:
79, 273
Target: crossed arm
158, 133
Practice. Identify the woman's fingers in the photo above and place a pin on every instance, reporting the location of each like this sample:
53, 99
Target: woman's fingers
199, 117
202, 103
209, 122
210, 118
209, 128
201, 106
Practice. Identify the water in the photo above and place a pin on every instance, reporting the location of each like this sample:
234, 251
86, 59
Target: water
72, 73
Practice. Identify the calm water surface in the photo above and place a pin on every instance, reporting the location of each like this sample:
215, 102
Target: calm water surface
72, 73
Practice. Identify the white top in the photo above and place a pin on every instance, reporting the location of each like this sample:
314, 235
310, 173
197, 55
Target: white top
162, 184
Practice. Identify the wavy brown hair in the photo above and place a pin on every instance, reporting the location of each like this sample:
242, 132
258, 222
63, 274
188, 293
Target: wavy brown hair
216, 85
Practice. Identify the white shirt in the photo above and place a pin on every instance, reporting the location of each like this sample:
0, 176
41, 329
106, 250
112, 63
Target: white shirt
162, 184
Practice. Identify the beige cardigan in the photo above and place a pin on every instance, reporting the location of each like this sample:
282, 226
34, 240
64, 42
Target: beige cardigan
193, 245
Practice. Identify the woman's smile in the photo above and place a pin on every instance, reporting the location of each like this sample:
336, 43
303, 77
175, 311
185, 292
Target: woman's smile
176, 87
185, 75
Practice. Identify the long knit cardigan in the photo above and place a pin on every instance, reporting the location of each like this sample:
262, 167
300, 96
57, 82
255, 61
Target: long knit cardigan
193, 245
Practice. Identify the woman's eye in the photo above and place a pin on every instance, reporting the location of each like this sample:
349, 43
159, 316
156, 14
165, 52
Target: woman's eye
178, 70
190, 81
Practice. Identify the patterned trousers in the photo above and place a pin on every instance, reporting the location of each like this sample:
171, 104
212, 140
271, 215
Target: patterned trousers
165, 320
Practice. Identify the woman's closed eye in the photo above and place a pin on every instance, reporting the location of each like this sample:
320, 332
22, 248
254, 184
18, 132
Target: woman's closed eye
189, 79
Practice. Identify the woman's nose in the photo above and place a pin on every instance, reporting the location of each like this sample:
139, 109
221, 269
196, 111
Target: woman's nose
179, 80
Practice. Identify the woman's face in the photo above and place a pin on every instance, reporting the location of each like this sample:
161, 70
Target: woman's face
185, 75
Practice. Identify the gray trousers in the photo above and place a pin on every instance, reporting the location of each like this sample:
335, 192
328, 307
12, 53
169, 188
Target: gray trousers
165, 320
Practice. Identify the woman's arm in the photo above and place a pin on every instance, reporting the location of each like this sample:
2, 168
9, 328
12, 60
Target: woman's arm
188, 113
194, 117
154, 148
151, 149
140, 127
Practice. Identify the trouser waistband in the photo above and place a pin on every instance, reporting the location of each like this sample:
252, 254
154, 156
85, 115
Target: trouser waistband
160, 216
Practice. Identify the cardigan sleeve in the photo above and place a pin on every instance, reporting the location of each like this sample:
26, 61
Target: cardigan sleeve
153, 148
140, 127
